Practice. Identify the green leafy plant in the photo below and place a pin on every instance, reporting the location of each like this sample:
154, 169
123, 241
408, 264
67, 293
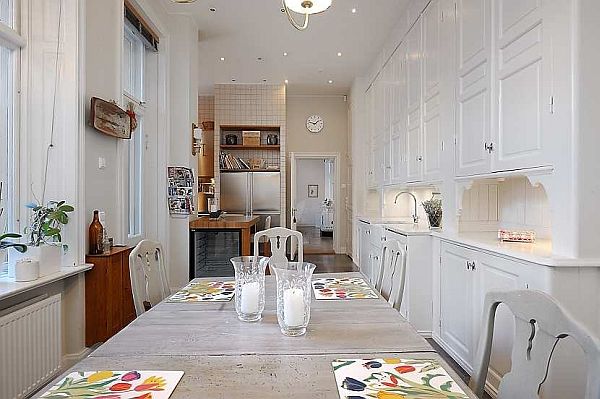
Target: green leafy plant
46, 222
433, 208
4, 242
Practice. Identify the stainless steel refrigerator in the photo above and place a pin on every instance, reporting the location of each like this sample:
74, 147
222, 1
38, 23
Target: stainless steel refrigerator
252, 193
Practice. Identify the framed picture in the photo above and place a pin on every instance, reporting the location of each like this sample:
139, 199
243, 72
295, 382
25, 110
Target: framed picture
313, 191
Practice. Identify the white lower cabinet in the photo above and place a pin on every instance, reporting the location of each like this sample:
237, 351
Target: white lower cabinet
417, 300
466, 276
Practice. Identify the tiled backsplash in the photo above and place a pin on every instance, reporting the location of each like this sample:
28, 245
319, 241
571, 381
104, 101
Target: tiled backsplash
252, 105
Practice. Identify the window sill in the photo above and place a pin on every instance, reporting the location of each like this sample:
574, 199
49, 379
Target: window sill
10, 288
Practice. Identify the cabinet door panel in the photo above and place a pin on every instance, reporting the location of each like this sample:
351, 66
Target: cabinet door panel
518, 116
431, 49
432, 140
474, 86
414, 164
456, 301
398, 153
387, 160
497, 274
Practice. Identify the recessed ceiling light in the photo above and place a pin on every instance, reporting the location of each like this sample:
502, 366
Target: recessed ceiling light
330, 81
354, 11
285, 54
212, 9
264, 80
259, 59
339, 54
286, 81
233, 80
222, 58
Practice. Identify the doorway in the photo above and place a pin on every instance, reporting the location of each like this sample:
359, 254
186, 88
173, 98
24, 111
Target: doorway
314, 205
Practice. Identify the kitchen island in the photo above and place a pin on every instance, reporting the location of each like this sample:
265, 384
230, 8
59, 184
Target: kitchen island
214, 241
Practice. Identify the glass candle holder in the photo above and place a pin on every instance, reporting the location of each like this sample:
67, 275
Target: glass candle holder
293, 297
249, 286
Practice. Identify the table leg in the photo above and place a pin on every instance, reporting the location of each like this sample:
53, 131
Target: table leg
246, 242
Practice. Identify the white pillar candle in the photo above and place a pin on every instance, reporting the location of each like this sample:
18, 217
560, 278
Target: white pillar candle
293, 307
250, 293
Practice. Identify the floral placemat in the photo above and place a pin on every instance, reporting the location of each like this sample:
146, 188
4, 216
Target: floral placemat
116, 385
205, 291
342, 288
394, 379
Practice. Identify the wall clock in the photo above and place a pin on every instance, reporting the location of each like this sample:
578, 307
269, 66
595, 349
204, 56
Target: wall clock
314, 123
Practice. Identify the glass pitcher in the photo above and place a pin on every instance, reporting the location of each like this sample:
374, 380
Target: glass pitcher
293, 297
249, 286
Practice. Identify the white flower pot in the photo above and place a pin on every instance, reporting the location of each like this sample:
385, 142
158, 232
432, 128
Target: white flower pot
27, 270
49, 257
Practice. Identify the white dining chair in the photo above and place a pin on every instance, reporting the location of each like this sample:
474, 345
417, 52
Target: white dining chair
149, 284
392, 273
278, 237
540, 323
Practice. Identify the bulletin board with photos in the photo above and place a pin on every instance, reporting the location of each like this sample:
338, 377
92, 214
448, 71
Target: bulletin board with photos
180, 190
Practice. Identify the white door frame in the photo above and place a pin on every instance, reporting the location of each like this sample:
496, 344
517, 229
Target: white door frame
294, 157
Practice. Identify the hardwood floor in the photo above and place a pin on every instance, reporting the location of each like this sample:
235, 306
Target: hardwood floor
331, 263
314, 243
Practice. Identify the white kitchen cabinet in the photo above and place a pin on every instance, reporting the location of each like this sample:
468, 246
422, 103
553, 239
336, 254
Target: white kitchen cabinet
398, 153
523, 82
473, 85
387, 159
457, 321
417, 299
466, 276
432, 133
364, 246
414, 153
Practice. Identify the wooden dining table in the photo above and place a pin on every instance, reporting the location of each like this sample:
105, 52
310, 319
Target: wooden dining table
223, 357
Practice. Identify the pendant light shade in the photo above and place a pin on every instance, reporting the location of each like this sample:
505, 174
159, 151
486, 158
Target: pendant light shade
308, 6
304, 7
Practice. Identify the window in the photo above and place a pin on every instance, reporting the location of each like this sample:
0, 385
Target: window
9, 45
134, 53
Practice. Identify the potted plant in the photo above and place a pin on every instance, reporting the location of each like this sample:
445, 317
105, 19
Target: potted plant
433, 209
44, 234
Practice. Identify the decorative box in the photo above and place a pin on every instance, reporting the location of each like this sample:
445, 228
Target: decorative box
516, 236
250, 137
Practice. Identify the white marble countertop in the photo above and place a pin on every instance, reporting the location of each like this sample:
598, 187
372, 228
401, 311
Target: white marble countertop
10, 288
539, 252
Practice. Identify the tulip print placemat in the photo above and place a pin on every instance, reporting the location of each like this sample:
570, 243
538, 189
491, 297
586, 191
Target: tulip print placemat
394, 379
116, 384
205, 291
342, 288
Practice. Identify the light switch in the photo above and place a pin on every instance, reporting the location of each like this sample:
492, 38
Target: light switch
101, 163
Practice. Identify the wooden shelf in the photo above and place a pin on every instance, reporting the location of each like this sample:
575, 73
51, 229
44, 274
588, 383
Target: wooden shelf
248, 170
250, 147
262, 128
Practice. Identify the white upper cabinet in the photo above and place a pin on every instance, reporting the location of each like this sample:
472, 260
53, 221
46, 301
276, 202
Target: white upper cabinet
524, 100
414, 104
432, 134
473, 86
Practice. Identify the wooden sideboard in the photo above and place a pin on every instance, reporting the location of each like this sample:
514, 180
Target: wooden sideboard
108, 300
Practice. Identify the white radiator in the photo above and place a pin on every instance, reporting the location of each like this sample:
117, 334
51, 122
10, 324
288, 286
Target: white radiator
30, 347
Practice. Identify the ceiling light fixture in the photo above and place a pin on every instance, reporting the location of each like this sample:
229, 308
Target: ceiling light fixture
222, 58
339, 54
304, 7
286, 81
212, 9
354, 11
285, 54
330, 81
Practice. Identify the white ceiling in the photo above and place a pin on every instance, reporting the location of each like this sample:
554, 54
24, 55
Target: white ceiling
243, 30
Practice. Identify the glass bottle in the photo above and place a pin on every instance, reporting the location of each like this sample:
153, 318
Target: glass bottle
96, 233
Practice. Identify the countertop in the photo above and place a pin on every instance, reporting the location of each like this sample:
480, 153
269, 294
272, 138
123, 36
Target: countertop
539, 252
224, 222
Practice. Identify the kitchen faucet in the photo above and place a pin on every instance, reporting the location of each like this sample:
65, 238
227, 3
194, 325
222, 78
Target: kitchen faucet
415, 216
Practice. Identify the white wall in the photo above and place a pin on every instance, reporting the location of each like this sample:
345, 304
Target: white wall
183, 77
333, 138
309, 171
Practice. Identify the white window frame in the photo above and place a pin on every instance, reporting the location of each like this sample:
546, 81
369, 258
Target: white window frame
11, 39
132, 233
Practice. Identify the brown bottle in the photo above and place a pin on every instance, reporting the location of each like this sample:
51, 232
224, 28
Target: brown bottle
96, 233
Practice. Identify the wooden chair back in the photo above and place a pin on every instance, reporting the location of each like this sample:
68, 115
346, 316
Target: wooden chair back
149, 284
278, 237
540, 323
392, 273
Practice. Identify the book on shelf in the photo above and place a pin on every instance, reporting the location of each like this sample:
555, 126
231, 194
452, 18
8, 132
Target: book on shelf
229, 161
